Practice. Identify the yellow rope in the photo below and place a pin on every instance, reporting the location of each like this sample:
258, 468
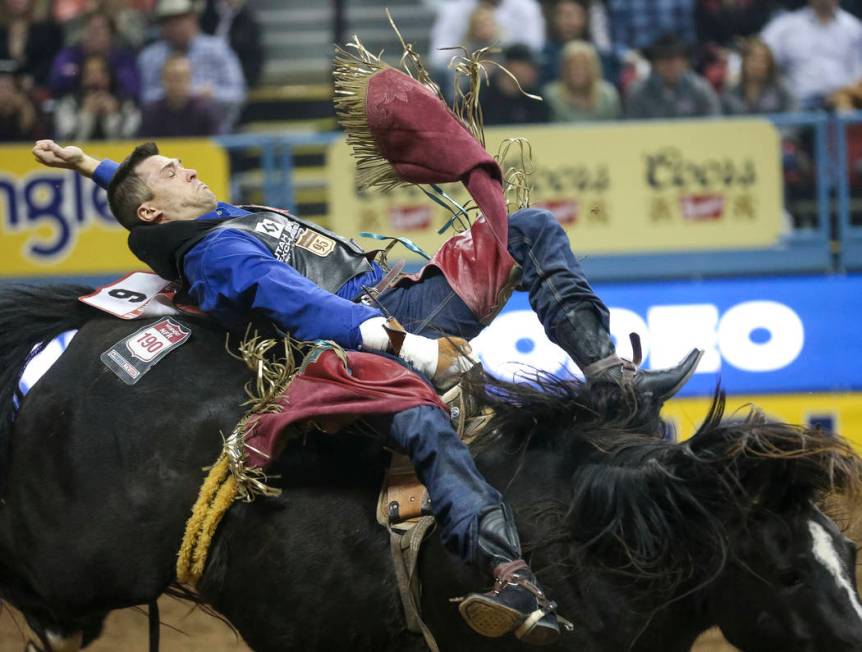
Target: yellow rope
215, 497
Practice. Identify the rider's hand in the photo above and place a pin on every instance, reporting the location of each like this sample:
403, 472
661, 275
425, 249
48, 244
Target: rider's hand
454, 359
443, 360
49, 153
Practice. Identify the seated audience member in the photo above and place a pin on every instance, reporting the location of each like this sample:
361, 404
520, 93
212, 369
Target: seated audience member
519, 21
671, 90
636, 24
19, 120
96, 111
28, 41
97, 40
818, 48
722, 22
503, 102
581, 94
234, 22
482, 32
179, 113
569, 21
760, 88
215, 69
129, 18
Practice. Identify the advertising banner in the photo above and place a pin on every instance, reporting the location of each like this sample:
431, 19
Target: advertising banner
615, 188
840, 413
54, 222
760, 335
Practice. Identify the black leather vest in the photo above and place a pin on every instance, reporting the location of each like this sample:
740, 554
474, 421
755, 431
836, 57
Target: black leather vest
321, 256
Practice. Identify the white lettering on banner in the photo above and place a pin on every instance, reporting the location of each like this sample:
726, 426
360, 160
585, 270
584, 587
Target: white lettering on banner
677, 329
753, 336
623, 322
515, 344
785, 329
55, 205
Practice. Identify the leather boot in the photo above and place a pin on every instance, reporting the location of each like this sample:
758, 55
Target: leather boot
516, 603
586, 339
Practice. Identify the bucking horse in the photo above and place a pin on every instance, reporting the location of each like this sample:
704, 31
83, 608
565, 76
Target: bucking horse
643, 542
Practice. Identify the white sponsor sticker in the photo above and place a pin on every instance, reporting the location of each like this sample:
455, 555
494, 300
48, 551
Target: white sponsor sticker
270, 228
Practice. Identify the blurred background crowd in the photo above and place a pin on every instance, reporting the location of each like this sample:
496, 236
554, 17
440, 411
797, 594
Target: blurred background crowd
112, 69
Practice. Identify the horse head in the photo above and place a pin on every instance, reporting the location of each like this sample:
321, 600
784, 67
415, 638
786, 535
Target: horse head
729, 528
790, 585
789, 582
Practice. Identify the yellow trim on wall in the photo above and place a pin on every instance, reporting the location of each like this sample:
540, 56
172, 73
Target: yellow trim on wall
843, 409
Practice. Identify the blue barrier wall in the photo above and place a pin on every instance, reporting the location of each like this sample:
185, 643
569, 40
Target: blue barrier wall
761, 335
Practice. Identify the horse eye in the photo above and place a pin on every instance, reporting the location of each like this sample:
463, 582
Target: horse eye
789, 578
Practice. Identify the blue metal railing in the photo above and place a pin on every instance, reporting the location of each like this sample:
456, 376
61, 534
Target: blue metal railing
849, 235
815, 248
277, 160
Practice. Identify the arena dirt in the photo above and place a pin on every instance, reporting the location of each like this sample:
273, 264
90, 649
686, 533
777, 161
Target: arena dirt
126, 631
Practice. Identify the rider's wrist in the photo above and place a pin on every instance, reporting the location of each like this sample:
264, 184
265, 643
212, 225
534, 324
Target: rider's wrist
421, 352
87, 165
374, 337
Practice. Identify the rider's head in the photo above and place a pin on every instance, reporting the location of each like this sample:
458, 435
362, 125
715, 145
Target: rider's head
149, 188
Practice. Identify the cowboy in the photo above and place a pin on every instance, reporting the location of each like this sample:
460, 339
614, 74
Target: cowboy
235, 262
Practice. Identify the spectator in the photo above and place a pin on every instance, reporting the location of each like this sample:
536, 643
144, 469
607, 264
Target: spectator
760, 89
636, 24
97, 40
503, 102
716, 65
215, 69
96, 111
581, 94
30, 43
724, 21
179, 113
671, 90
818, 48
19, 120
569, 21
128, 17
519, 21
234, 22
482, 32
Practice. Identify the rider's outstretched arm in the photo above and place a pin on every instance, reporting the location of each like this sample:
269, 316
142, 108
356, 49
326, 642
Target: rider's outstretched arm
52, 155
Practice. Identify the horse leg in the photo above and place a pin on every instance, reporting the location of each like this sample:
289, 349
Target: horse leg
54, 640
56, 643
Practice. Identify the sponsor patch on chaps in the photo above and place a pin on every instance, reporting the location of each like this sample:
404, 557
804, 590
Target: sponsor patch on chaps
134, 355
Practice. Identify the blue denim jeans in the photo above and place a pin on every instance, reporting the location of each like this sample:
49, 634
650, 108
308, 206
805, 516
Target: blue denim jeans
557, 288
550, 274
459, 494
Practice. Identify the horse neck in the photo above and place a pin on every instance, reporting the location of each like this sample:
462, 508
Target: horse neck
531, 478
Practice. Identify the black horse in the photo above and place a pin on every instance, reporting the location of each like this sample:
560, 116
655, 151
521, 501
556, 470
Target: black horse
644, 543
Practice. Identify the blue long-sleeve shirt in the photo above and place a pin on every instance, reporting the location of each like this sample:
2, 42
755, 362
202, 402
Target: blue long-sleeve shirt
231, 274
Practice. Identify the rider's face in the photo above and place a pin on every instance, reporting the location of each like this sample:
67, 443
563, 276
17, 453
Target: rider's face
178, 194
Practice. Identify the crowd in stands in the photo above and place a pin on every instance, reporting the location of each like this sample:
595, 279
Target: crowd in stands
112, 69
108, 69
649, 59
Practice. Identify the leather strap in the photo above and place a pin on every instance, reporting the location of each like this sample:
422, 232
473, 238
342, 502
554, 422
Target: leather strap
389, 278
525, 627
405, 555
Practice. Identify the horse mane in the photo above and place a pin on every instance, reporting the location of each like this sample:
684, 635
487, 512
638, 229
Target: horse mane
30, 314
649, 510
